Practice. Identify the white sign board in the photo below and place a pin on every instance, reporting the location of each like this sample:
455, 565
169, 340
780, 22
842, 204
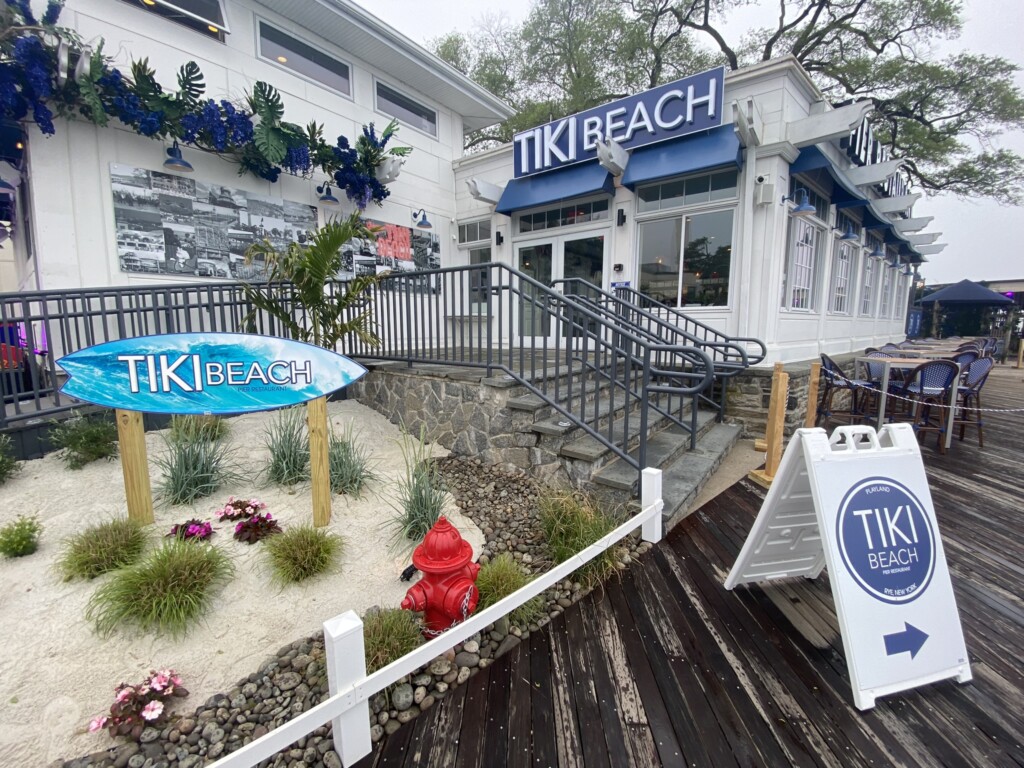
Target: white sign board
860, 505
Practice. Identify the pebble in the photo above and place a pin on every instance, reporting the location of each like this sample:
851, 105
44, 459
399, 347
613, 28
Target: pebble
402, 697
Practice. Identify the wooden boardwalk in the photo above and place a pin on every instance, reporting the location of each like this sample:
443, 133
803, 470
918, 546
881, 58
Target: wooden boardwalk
667, 668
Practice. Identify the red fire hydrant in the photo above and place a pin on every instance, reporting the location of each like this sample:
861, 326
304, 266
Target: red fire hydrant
447, 593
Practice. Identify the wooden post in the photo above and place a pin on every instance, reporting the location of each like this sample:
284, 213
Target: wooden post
320, 475
776, 425
131, 439
761, 443
1020, 351
812, 395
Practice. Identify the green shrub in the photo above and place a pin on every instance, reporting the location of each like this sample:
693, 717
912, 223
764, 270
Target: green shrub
9, 466
197, 427
84, 439
498, 579
389, 634
421, 493
288, 443
349, 464
192, 469
572, 522
20, 537
101, 548
303, 552
164, 593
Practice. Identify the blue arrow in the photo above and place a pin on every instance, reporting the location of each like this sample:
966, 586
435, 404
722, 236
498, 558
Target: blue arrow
909, 641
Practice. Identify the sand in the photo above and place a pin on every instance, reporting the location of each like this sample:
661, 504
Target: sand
56, 673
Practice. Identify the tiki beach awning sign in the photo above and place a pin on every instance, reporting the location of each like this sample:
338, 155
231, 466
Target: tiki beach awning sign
205, 373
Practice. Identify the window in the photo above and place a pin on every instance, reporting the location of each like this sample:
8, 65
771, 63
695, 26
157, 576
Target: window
303, 59
868, 288
686, 260
708, 188
885, 300
475, 231
842, 265
580, 213
205, 16
806, 236
478, 280
391, 102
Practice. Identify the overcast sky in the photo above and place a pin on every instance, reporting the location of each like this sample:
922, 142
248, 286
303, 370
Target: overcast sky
984, 239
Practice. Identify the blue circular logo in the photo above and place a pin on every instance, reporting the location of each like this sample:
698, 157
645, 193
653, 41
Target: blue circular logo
886, 540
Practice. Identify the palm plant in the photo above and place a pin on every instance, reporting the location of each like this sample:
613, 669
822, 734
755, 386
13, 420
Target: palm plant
297, 293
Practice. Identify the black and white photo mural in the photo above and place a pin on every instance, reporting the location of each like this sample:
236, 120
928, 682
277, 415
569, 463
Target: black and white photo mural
172, 225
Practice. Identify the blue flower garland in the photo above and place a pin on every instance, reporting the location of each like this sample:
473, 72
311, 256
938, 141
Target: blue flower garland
31, 89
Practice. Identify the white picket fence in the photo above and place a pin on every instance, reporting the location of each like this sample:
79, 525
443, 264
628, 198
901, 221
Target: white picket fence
351, 688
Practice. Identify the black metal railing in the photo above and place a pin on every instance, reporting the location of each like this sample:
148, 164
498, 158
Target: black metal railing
606, 377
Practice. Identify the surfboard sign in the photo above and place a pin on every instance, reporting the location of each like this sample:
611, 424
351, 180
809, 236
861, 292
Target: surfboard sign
205, 373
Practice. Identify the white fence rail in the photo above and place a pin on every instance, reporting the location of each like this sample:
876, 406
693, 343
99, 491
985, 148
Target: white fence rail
351, 688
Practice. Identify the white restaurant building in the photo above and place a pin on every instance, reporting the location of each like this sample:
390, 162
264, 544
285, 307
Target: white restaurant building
741, 197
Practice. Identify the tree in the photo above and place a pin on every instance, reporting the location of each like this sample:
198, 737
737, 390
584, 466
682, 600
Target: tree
941, 114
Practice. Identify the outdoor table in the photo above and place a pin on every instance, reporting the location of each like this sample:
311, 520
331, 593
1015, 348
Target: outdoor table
906, 363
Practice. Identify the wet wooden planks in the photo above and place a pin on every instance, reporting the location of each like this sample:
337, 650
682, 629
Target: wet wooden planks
667, 668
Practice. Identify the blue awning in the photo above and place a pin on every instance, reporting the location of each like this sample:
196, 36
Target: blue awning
698, 152
554, 186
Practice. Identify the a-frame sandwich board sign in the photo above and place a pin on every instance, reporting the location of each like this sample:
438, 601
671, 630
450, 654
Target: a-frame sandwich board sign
859, 503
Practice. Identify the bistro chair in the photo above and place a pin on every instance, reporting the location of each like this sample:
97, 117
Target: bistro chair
968, 409
924, 398
835, 382
964, 359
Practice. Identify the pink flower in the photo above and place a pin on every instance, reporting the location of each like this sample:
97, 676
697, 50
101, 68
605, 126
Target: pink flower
123, 694
159, 682
97, 723
175, 679
152, 711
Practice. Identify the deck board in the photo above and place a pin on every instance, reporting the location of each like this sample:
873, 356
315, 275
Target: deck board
666, 667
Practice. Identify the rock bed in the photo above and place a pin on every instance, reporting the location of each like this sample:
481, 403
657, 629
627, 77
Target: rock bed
503, 504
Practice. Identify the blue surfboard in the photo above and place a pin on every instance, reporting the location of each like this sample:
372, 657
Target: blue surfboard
205, 373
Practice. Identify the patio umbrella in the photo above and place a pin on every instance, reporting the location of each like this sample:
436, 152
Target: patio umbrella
966, 292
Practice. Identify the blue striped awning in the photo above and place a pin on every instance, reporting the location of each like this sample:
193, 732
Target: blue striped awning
555, 186
716, 148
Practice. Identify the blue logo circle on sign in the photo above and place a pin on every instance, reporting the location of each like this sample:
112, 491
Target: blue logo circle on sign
886, 540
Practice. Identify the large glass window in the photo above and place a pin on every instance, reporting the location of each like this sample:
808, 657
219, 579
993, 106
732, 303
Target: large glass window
304, 59
802, 267
885, 300
842, 265
391, 102
202, 15
564, 216
478, 279
867, 295
708, 188
686, 260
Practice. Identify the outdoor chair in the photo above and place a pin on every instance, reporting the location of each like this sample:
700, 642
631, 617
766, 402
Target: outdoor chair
924, 398
964, 359
835, 382
968, 408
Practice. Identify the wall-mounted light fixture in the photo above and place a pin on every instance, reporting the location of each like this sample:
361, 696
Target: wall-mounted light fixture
498, 238
6, 188
326, 196
617, 267
803, 204
877, 253
5, 232
422, 223
175, 162
620, 217
849, 235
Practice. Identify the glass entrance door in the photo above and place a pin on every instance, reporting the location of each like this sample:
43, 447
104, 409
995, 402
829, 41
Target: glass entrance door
570, 256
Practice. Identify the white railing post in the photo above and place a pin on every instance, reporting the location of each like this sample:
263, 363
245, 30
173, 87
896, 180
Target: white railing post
650, 493
346, 665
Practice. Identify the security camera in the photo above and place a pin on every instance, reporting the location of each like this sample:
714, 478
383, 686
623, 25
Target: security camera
761, 179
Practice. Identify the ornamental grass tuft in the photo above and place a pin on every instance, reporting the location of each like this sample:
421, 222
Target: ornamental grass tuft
164, 593
84, 439
192, 469
421, 493
302, 553
349, 464
572, 522
288, 443
20, 537
389, 634
498, 579
9, 466
197, 427
101, 548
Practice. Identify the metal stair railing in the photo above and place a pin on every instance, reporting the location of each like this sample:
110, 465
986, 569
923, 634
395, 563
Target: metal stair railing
568, 354
729, 355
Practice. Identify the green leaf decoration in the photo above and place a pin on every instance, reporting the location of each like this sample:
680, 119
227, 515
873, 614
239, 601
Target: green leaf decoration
266, 102
146, 85
91, 104
270, 141
190, 82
